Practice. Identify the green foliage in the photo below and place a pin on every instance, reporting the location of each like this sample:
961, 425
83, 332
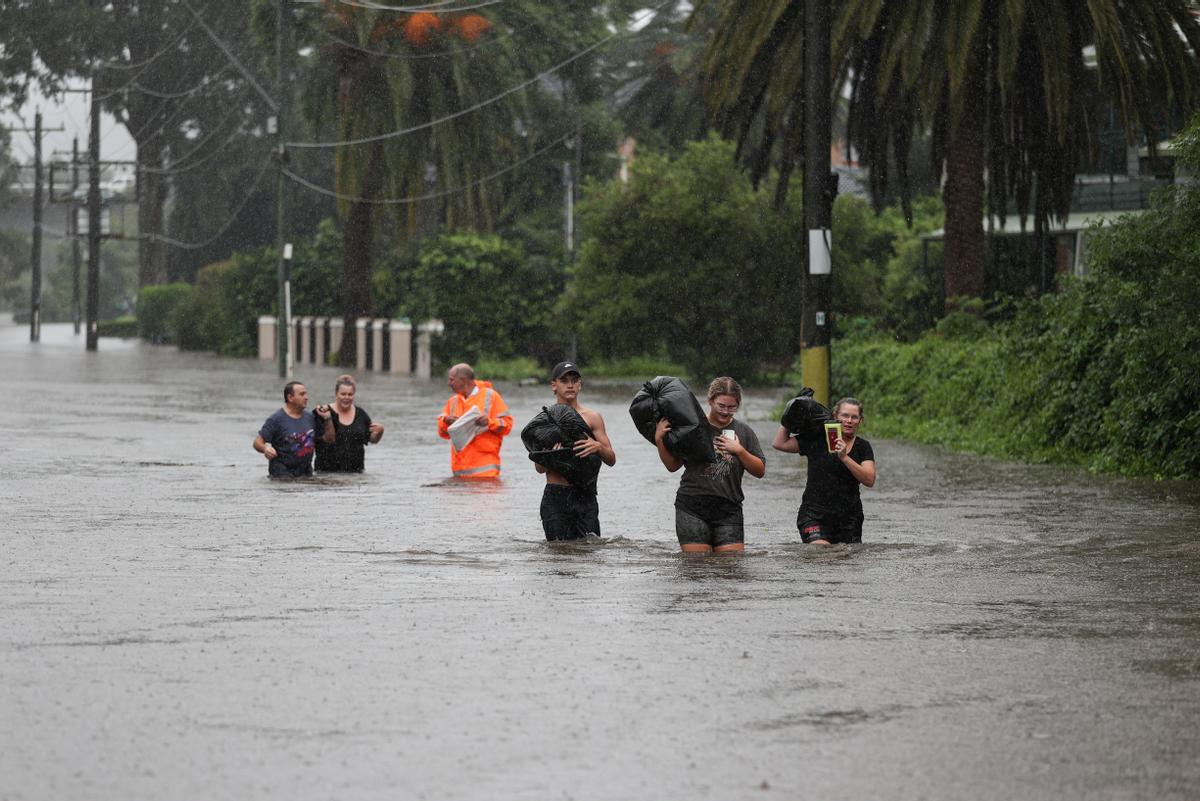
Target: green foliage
1102, 373
691, 258
122, 327
879, 269
517, 368
639, 367
154, 307
491, 298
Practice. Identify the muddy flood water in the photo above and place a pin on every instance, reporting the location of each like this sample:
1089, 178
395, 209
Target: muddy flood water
174, 625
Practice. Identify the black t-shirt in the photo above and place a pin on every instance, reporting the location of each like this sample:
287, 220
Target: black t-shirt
830, 486
345, 453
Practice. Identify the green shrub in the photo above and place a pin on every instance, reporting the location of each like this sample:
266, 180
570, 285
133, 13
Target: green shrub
154, 306
122, 327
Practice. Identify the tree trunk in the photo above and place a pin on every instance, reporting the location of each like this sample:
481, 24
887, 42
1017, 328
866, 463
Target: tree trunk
963, 194
152, 253
358, 241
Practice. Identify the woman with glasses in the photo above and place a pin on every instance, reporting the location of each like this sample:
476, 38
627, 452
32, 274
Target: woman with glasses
708, 505
831, 509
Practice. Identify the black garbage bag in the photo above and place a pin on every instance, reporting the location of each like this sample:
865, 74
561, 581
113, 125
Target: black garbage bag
805, 418
549, 438
666, 396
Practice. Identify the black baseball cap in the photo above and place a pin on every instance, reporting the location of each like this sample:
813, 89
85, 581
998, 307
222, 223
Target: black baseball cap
562, 368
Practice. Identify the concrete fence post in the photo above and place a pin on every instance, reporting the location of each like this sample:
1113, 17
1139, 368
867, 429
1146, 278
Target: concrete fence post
304, 351
425, 332
378, 331
266, 338
400, 334
320, 329
336, 330
360, 343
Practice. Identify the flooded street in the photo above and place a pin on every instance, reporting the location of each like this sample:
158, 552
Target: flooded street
174, 625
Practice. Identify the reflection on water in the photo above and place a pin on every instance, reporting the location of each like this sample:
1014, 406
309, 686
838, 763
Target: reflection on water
174, 624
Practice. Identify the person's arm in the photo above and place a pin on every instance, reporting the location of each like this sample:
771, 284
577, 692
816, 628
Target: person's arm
864, 473
785, 442
445, 419
325, 419
599, 443
669, 460
755, 465
498, 421
374, 430
264, 447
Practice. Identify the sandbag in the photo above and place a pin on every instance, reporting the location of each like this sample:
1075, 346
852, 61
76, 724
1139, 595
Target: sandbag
805, 418
690, 437
560, 425
555, 425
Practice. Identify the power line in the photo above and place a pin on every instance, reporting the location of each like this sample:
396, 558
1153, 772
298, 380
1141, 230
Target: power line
428, 8
483, 103
418, 198
114, 64
271, 104
488, 42
267, 164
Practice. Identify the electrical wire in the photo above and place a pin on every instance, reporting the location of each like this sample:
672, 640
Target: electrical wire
418, 198
176, 169
113, 64
271, 104
483, 103
267, 164
488, 42
206, 81
427, 8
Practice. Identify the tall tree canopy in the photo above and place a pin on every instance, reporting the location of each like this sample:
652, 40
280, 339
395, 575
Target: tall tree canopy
1014, 86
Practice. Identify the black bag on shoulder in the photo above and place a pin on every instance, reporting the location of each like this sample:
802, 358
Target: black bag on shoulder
666, 396
805, 418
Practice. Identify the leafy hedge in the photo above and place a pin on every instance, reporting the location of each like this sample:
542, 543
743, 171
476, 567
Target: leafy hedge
1104, 373
154, 307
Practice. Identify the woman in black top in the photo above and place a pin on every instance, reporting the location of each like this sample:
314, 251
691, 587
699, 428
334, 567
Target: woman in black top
353, 430
831, 510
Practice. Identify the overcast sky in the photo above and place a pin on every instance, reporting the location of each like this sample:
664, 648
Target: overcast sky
69, 111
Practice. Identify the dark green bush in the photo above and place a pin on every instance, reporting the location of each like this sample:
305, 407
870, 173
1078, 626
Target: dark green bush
121, 328
154, 306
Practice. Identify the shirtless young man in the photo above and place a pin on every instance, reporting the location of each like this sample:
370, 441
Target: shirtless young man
570, 512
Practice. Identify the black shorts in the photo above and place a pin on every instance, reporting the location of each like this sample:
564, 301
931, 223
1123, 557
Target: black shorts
708, 520
569, 512
833, 527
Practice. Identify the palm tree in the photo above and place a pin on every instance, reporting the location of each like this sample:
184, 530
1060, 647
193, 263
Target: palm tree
1004, 86
381, 72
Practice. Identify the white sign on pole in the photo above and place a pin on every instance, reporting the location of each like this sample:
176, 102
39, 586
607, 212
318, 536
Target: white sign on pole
820, 251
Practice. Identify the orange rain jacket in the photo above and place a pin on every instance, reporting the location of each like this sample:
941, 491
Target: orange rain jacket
481, 458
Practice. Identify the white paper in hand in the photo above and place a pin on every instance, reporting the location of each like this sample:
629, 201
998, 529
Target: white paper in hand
463, 430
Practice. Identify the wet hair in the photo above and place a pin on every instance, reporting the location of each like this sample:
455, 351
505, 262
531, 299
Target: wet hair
725, 386
345, 380
848, 401
289, 389
463, 371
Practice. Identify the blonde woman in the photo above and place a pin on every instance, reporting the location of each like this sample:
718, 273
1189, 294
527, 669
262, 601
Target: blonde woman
708, 505
353, 431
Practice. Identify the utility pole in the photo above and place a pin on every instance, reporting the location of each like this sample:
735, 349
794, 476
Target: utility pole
73, 230
818, 201
93, 202
283, 49
35, 256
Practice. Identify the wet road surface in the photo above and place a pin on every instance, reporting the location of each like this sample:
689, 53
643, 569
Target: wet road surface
175, 625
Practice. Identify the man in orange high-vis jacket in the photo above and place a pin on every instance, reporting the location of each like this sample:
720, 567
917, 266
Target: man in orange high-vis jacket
479, 458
